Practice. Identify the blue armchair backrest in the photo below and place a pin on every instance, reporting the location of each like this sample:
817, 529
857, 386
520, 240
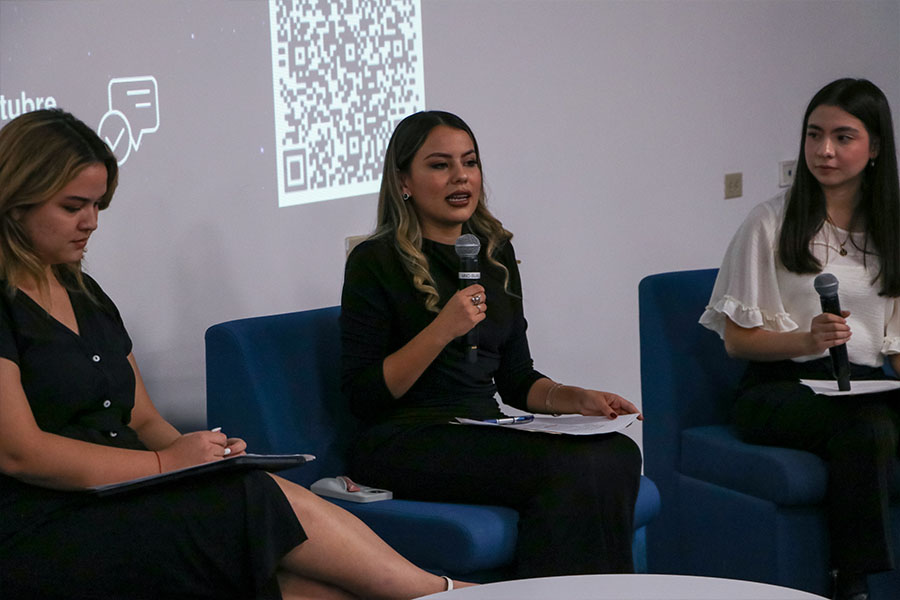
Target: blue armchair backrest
275, 381
687, 378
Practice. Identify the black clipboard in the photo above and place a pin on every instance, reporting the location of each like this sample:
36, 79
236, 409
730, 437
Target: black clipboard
245, 462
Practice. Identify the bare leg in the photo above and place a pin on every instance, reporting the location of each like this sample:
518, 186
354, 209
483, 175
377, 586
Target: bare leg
299, 588
343, 552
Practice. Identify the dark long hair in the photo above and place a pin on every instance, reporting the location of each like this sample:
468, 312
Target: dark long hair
879, 206
397, 218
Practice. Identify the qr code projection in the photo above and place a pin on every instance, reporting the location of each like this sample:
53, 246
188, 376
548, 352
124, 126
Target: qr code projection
344, 72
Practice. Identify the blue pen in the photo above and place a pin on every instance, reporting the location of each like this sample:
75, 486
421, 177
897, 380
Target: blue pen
510, 420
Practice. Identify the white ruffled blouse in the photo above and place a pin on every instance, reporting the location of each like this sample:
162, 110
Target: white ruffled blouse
754, 290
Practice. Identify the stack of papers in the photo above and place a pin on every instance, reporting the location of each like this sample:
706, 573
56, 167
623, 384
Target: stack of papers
829, 387
565, 424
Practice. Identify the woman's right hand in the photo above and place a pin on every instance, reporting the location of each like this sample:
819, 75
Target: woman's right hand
828, 330
193, 449
462, 312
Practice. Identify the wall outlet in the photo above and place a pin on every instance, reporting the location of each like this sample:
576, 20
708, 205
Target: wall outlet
786, 170
734, 185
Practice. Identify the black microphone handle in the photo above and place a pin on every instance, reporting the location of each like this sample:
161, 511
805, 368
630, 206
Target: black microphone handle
839, 360
472, 346
469, 264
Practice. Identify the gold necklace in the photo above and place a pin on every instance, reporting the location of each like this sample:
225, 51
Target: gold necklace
842, 251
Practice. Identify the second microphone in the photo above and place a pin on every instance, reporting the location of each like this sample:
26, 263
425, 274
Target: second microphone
826, 285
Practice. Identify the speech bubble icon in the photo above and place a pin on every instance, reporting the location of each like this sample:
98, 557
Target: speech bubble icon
137, 99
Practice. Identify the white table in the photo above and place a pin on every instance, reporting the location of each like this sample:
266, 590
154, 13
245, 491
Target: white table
625, 587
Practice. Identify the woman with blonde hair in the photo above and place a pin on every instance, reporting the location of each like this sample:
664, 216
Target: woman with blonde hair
407, 374
74, 414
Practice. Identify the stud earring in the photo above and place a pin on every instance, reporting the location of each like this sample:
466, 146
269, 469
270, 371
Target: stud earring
406, 197
872, 163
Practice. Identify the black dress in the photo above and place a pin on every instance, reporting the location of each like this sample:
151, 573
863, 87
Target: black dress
575, 495
219, 537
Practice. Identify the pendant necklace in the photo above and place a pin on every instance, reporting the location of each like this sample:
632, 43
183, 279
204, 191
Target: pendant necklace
842, 251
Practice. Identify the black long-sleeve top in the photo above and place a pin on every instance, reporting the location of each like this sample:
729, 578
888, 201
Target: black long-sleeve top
381, 311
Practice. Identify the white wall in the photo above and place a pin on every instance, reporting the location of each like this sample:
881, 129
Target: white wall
605, 127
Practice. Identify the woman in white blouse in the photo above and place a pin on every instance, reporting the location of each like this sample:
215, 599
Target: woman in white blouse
841, 216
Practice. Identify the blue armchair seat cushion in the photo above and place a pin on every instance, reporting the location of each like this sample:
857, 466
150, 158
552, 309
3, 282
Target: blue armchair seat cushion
787, 477
456, 538
477, 537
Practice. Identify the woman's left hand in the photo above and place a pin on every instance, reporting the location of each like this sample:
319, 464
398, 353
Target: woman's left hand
605, 404
235, 447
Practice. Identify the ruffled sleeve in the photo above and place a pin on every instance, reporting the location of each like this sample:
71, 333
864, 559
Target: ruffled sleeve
746, 289
891, 343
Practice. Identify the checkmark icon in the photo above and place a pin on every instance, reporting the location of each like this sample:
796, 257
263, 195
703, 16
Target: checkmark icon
114, 126
115, 144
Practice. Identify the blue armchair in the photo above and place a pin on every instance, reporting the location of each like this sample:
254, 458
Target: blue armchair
729, 509
274, 381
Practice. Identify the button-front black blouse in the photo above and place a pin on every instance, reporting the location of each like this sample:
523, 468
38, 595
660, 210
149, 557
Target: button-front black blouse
78, 385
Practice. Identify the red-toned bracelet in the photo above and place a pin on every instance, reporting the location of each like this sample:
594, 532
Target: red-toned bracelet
158, 461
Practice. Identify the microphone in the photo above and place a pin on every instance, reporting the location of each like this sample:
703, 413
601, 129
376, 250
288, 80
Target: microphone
826, 285
467, 247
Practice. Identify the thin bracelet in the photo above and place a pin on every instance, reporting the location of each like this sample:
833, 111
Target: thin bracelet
158, 461
548, 401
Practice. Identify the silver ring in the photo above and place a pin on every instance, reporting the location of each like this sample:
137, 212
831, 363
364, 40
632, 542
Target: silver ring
476, 299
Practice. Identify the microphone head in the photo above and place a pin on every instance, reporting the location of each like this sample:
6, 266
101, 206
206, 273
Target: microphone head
826, 285
467, 246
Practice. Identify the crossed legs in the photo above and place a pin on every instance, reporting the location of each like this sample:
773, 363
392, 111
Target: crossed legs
343, 558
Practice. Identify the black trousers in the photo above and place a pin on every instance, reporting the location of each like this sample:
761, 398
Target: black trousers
575, 494
856, 435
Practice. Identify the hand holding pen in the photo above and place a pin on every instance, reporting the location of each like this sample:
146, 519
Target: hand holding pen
233, 446
199, 447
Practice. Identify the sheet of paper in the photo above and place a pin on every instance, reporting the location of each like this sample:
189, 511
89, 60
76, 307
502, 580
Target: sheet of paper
565, 424
864, 386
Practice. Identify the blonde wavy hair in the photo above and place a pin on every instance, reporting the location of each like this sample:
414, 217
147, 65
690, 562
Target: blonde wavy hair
397, 218
40, 153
